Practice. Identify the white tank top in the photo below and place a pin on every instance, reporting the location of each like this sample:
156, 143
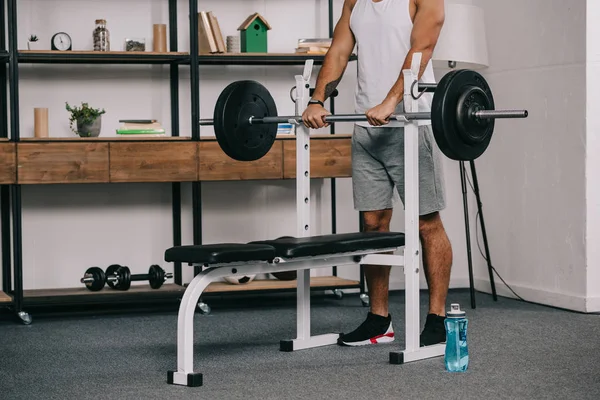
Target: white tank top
382, 31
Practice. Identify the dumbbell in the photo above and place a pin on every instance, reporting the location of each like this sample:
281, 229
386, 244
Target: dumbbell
95, 279
119, 277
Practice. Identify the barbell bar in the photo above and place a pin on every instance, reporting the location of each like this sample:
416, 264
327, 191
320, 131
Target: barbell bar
462, 117
483, 114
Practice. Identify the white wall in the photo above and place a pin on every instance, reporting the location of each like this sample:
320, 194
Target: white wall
533, 178
592, 159
67, 228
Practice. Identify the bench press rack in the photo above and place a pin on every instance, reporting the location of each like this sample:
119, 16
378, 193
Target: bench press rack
306, 252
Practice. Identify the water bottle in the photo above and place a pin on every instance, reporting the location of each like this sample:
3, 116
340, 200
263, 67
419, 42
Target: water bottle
457, 352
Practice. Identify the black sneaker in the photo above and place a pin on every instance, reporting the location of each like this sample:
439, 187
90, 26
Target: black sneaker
375, 329
434, 331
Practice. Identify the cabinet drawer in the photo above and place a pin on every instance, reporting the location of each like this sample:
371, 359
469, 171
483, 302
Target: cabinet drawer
62, 163
8, 160
215, 165
153, 162
329, 158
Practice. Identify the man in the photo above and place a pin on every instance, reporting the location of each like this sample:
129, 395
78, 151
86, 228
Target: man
387, 33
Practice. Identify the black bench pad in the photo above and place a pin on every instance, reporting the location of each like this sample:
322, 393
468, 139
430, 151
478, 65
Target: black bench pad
334, 243
220, 253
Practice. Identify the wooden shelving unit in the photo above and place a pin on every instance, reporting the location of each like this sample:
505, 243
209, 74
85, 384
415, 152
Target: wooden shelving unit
172, 159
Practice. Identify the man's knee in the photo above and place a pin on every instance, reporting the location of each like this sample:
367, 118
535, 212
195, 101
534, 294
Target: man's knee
377, 221
430, 223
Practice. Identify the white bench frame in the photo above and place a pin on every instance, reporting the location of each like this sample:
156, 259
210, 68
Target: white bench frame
410, 259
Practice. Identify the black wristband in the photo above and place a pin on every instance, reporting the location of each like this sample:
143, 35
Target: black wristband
313, 101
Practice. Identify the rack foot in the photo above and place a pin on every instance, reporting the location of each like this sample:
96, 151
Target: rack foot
24, 317
204, 308
364, 299
180, 378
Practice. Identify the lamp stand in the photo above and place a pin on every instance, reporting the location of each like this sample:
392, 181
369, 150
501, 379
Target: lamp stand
463, 181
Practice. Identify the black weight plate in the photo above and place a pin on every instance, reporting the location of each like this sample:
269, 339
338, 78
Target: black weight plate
236, 104
285, 275
218, 119
99, 279
448, 122
470, 128
156, 276
125, 278
110, 271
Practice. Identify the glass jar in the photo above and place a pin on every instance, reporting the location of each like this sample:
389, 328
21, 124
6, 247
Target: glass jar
101, 36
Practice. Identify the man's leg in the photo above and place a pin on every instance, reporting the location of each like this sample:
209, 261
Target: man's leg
436, 249
437, 263
373, 194
378, 276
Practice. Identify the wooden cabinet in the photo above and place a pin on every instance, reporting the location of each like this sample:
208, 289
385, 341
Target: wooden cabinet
215, 165
62, 162
8, 168
153, 161
330, 157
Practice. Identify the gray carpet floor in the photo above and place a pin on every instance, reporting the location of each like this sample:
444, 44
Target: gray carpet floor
517, 351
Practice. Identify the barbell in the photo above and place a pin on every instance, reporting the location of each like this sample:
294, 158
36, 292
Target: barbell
462, 117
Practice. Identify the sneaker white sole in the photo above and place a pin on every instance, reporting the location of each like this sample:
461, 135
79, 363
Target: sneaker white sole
387, 337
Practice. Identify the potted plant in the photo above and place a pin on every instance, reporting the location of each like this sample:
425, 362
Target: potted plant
88, 120
33, 43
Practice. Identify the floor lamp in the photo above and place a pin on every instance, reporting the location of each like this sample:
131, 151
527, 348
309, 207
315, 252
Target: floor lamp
462, 44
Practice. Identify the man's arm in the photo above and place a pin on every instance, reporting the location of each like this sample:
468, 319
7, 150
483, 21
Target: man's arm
336, 59
428, 22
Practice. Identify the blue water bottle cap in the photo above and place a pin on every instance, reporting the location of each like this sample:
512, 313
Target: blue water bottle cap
455, 311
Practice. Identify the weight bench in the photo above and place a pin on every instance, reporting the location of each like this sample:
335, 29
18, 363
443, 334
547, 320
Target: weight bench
306, 252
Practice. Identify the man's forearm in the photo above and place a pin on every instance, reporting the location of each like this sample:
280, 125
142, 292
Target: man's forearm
330, 75
396, 93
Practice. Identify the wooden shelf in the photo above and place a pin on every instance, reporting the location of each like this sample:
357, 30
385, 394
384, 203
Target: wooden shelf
75, 160
101, 57
108, 139
262, 58
4, 298
142, 293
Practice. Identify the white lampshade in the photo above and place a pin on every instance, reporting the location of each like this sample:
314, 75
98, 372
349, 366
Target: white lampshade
462, 39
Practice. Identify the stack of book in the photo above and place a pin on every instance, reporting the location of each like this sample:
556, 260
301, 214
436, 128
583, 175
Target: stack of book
140, 128
313, 46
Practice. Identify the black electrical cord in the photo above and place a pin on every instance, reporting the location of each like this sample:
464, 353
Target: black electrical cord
479, 244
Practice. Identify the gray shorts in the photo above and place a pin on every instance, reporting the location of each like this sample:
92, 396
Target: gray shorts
378, 167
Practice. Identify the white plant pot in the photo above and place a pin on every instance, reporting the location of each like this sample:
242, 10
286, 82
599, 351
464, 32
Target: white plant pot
34, 45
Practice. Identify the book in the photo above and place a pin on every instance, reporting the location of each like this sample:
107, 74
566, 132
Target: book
315, 42
206, 39
216, 31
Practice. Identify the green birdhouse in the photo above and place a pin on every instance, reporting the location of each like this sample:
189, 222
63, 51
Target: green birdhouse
253, 34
